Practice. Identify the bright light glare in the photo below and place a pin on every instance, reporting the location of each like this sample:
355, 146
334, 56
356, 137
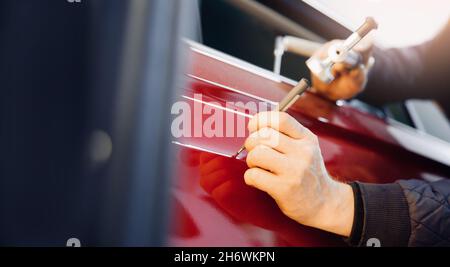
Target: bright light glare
401, 22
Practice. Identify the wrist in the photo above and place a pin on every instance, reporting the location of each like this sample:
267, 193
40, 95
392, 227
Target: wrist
337, 212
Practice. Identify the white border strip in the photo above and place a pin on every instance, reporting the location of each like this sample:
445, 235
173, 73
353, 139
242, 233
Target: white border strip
201, 149
233, 89
238, 63
420, 143
218, 106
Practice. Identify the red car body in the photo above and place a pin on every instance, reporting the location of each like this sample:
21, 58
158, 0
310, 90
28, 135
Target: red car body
212, 206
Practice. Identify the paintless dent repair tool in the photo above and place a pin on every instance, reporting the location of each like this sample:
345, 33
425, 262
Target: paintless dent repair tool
288, 101
341, 53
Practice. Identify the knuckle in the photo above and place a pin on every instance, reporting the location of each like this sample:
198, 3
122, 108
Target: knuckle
254, 155
255, 121
249, 142
260, 149
251, 124
265, 133
283, 119
250, 175
261, 117
265, 130
250, 158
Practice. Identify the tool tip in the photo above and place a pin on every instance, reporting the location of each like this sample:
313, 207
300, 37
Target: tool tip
239, 152
305, 81
372, 22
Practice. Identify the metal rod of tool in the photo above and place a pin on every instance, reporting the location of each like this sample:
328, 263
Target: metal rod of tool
340, 52
288, 100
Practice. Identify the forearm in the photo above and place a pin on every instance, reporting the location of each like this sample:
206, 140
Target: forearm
337, 212
334, 210
412, 72
396, 75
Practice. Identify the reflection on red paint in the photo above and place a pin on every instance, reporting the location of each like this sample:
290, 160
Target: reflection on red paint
223, 179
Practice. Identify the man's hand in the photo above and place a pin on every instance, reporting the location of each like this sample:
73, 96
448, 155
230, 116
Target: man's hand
285, 161
347, 82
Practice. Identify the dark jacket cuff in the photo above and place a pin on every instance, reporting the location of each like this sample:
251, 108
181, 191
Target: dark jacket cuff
385, 215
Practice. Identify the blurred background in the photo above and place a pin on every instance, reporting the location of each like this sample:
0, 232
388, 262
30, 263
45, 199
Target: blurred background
244, 29
84, 147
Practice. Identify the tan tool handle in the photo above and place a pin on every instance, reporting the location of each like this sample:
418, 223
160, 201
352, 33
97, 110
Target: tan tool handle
368, 26
287, 101
293, 95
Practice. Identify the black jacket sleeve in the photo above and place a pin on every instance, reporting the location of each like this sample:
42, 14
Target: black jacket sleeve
405, 213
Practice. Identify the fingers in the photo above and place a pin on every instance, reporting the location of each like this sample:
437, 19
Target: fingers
357, 74
211, 165
212, 180
260, 179
271, 138
339, 69
266, 158
280, 121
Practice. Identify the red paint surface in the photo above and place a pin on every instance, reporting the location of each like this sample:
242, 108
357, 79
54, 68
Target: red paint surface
212, 204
